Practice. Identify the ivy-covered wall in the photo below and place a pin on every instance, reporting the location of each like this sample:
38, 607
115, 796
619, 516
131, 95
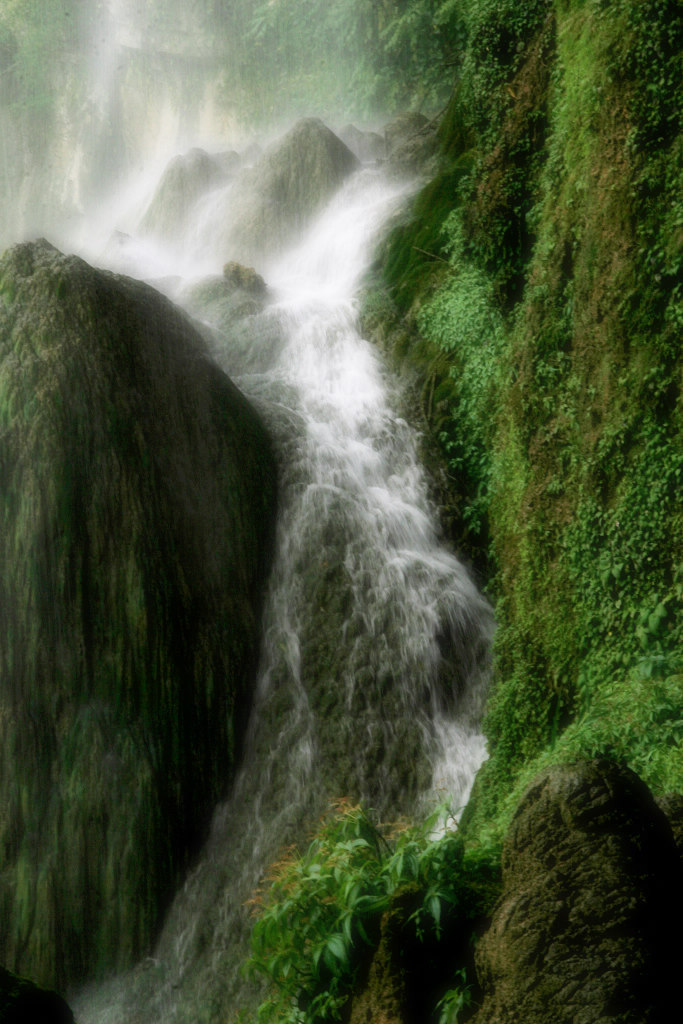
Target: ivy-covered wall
536, 291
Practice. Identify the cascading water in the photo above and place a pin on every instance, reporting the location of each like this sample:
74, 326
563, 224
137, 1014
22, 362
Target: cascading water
375, 643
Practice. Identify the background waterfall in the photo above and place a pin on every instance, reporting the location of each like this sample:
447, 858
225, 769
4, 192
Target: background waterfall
375, 645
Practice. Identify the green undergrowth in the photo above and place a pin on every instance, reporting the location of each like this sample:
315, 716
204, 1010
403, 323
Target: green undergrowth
320, 917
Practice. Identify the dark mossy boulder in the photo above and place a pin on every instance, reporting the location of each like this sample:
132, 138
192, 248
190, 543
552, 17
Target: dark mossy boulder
272, 203
137, 491
186, 178
385, 994
22, 1002
591, 888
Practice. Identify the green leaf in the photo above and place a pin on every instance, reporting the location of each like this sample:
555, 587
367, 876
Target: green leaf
363, 934
337, 948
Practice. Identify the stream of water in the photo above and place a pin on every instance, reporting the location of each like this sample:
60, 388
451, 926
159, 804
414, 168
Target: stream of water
375, 640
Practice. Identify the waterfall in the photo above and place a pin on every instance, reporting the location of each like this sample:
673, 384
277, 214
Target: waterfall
375, 640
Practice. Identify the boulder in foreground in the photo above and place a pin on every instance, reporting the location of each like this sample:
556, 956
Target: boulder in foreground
591, 884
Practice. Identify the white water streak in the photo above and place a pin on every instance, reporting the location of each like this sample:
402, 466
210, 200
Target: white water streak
411, 648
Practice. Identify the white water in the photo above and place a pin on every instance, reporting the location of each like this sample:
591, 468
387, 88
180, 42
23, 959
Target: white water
375, 645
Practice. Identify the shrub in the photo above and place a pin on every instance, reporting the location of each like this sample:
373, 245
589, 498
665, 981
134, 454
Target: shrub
319, 915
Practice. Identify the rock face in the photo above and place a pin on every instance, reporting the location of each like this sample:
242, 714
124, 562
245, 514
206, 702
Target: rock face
407, 972
410, 142
384, 998
21, 1002
230, 302
185, 180
138, 491
402, 128
274, 202
591, 882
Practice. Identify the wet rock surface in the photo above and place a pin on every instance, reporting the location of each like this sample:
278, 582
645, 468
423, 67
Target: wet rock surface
591, 884
138, 494
245, 278
410, 141
186, 178
368, 146
274, 201
672, 805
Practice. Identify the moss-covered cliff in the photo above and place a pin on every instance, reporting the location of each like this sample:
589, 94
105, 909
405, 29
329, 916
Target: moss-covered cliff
536, 292
137, 491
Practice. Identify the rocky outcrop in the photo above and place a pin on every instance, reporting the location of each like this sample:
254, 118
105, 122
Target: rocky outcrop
138, 493
271, 204
591, 884
403, 127
410, 142
413, 964
385, 996
368, 146
185, 180
22, 1002
228, 304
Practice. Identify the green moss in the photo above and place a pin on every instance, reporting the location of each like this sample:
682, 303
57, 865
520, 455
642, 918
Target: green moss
588, 551
565, 417
414, 253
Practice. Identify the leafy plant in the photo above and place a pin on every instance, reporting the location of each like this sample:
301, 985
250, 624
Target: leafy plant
454, 1001
462, 319
319, 916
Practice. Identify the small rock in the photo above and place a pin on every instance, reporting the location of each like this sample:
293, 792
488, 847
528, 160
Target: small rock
245, 278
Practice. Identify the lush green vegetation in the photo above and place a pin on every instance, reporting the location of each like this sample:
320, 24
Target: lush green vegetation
553, 333
319, 917
535, 290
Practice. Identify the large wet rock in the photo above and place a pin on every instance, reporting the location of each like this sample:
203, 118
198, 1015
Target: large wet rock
591, 886
186, 178
271, 204
672, 805
137, 489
